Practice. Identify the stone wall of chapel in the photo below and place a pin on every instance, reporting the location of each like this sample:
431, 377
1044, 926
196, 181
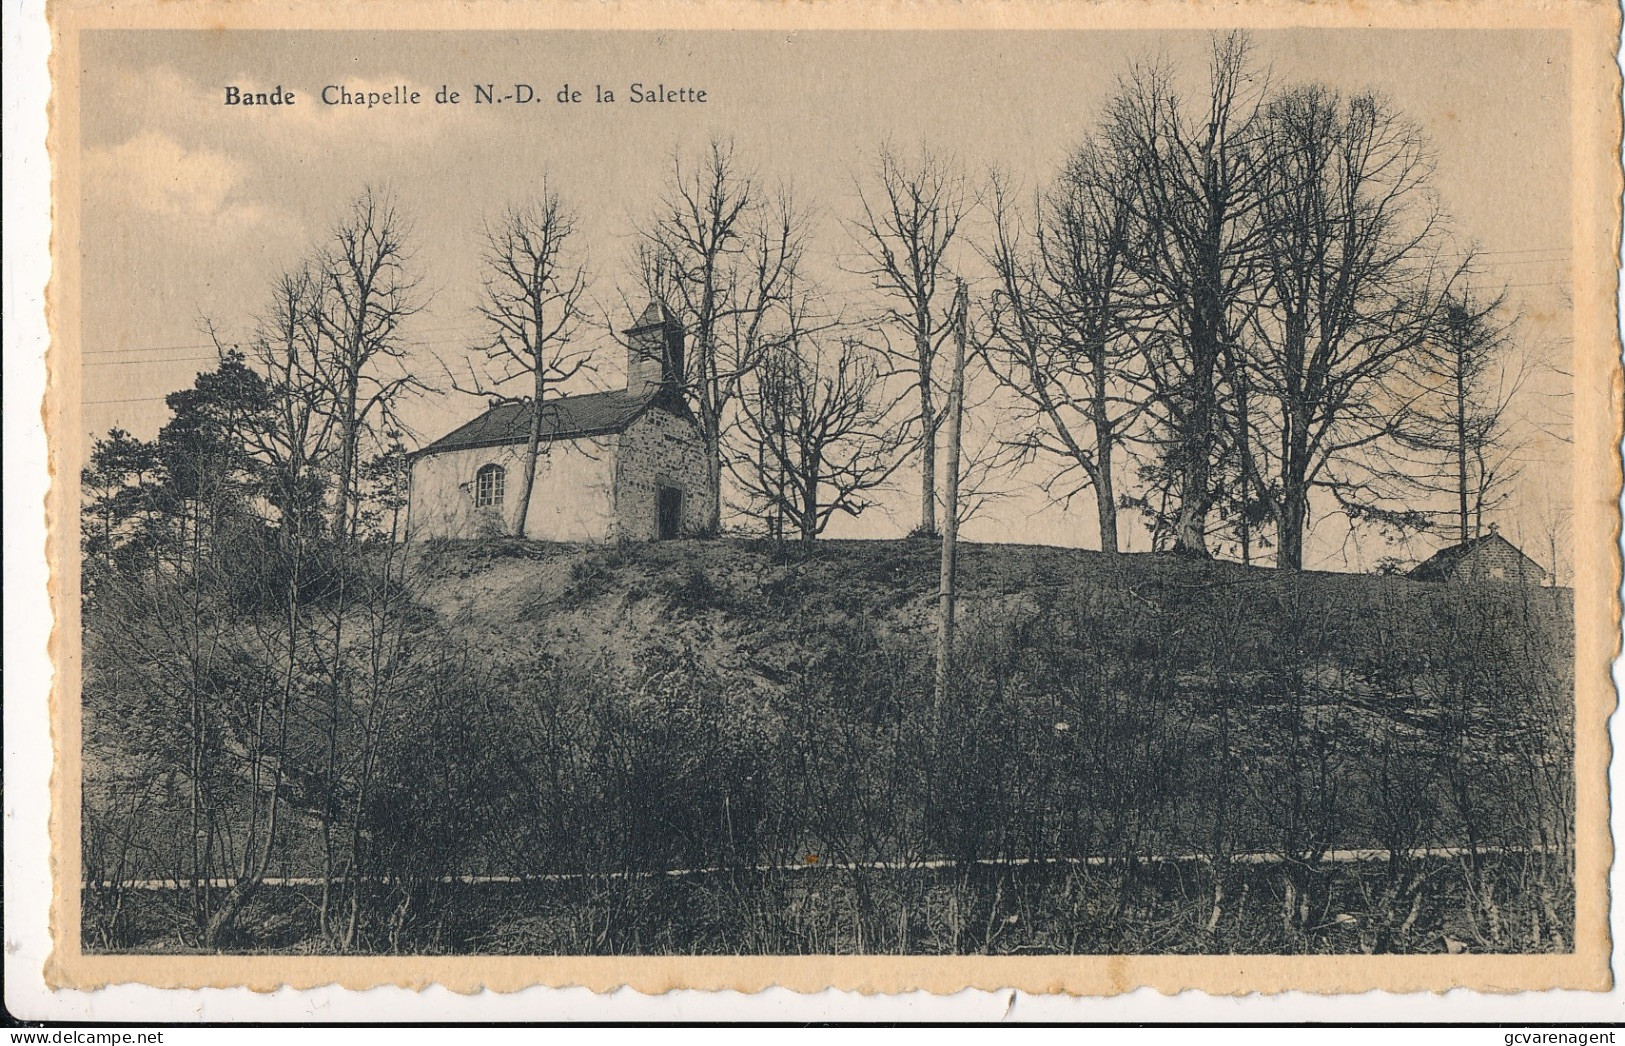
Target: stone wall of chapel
659, 449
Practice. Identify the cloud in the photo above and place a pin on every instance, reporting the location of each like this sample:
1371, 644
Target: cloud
155, 174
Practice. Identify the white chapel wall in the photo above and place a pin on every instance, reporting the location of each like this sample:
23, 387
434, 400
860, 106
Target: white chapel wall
573, 499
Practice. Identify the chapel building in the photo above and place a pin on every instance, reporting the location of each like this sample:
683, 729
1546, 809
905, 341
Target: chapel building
627, 464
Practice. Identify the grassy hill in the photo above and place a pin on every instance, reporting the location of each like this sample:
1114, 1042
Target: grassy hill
1141, 753
764, 611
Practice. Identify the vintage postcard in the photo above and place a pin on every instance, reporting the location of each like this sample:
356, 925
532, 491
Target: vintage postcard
1067, 497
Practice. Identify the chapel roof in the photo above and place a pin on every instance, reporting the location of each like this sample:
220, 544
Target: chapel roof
654, 314
568, 417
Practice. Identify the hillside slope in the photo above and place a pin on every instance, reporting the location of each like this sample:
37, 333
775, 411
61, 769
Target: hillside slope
762, 613
736, 746
1235, 671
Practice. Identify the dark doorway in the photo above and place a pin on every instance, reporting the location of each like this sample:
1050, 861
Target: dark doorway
670, 508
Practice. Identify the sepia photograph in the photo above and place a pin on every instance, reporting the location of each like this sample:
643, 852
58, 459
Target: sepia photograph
834, 493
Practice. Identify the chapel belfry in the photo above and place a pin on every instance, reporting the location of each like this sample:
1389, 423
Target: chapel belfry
654, 352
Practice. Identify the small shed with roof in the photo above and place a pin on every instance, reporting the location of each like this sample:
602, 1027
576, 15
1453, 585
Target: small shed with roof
1488, 558
623, 464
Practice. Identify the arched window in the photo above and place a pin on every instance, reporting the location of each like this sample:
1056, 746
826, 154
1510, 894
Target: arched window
490, 484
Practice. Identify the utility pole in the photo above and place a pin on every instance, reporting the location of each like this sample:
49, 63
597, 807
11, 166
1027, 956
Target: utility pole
950, 521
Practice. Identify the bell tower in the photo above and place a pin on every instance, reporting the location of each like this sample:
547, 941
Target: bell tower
654, 352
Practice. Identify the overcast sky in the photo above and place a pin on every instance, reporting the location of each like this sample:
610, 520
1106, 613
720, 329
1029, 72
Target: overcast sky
191, 206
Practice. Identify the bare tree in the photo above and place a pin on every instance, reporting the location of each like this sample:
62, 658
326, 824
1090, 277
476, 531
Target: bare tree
533, 306
366, 293
318, 353
948, 579
988, 452
1189, 181
296, 437
1348, 280
336, 358
814, 434
721, 253
912, 210
1459, 418
1244, 488
1060, 329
